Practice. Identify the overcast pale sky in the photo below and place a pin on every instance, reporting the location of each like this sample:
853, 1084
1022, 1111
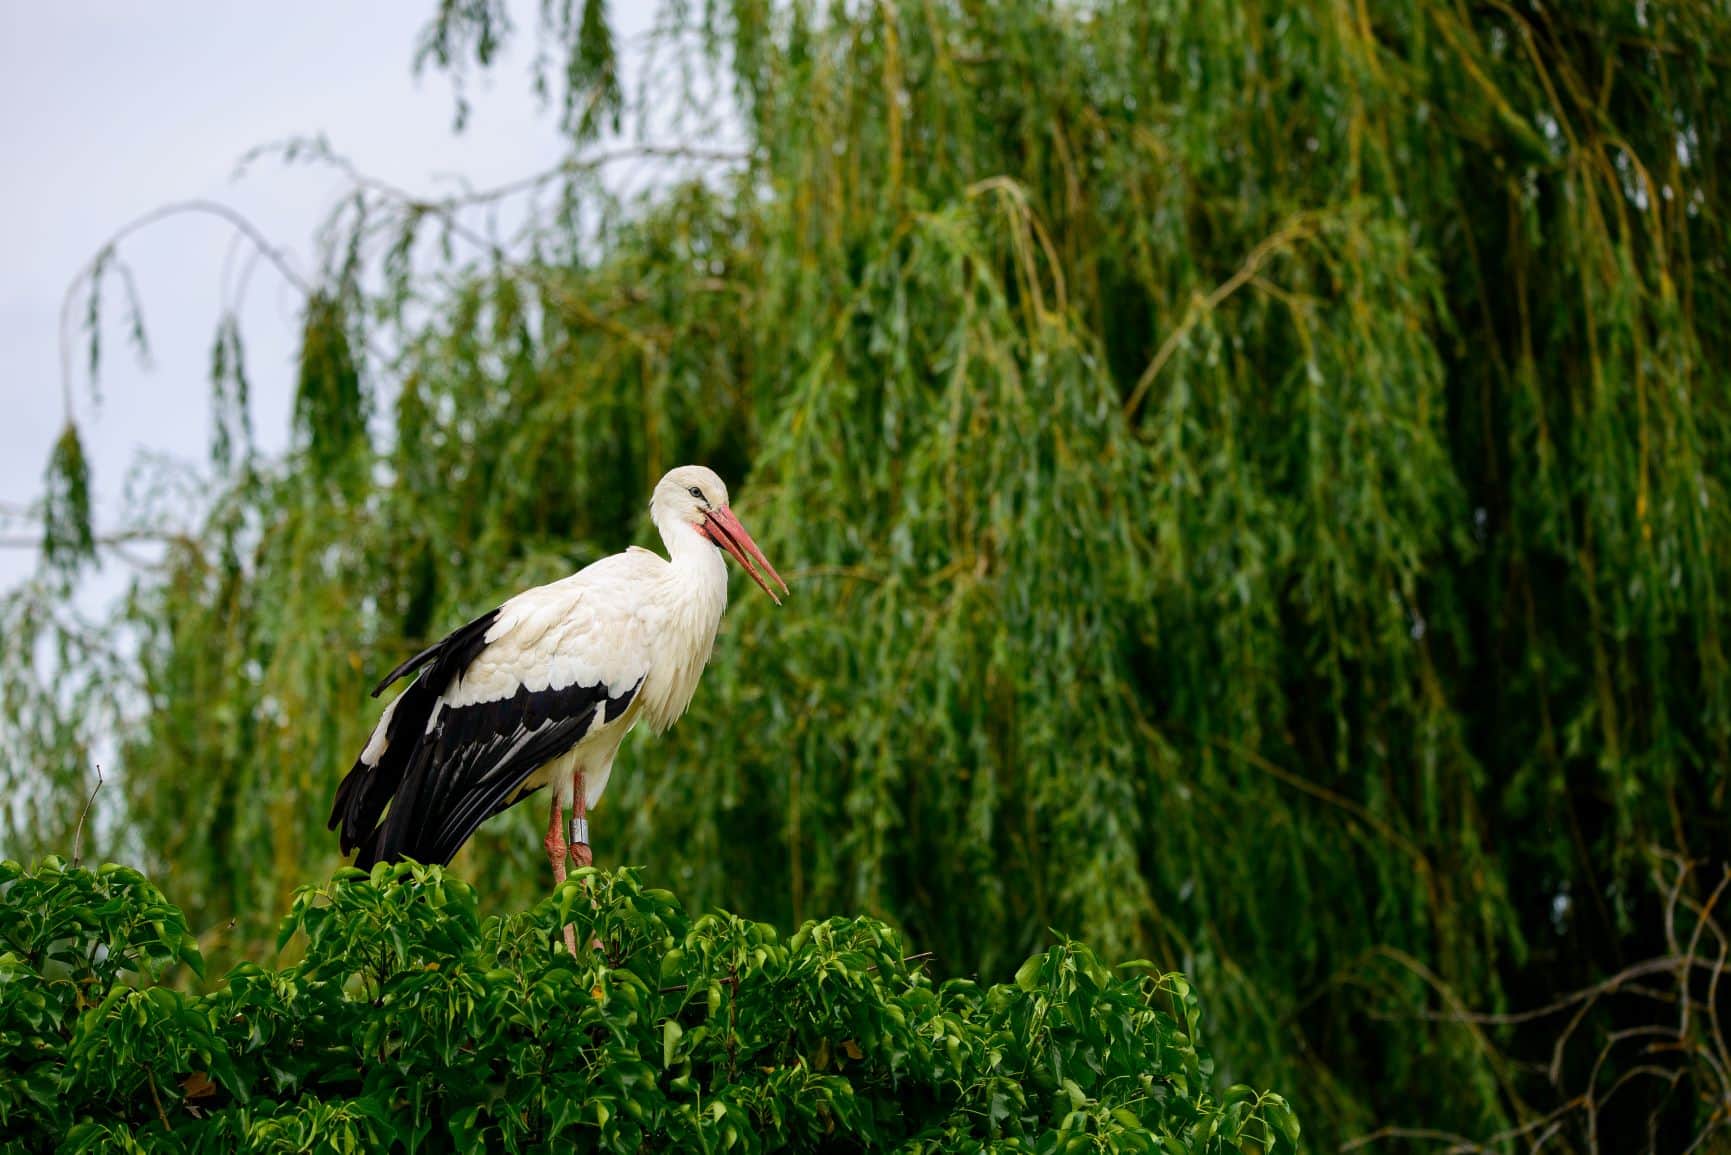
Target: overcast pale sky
114, 109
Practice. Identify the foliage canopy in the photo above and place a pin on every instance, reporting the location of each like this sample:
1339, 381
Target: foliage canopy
412, 1023
1253, 477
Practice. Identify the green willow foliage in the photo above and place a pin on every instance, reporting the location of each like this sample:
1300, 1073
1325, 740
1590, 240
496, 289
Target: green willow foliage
411, 1023
1253, 477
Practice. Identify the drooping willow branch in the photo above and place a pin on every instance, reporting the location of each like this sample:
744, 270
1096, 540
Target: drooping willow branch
260, 249
89, 278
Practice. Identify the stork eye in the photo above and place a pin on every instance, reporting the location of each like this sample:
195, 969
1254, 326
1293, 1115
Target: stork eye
698, 494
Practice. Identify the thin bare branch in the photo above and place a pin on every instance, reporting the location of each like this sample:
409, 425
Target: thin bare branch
78, 834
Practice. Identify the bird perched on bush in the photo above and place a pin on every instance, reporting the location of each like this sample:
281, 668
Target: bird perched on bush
541, 691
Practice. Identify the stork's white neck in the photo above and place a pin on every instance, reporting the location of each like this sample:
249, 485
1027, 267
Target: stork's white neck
696, 560
693, 596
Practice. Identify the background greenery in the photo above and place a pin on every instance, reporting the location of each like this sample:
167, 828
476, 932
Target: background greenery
1252, 473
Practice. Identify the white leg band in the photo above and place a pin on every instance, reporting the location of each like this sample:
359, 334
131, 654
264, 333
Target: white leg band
579, 831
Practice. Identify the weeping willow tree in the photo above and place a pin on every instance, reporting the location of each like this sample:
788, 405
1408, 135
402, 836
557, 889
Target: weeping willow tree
1253, 478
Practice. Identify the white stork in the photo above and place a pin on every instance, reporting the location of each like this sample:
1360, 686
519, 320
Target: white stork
541, 691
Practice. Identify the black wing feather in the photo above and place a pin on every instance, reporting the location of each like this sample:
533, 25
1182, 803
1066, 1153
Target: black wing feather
442, 778
363, 794
474, 764
466, 641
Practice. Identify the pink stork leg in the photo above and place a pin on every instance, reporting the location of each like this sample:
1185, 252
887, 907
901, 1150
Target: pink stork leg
556, 850
580, 852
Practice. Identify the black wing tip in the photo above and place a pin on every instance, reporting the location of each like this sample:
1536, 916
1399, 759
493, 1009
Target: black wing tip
403, 670
370, 848
457, 637
395, 674
348, 817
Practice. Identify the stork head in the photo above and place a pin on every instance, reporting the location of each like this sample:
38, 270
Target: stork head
696, 496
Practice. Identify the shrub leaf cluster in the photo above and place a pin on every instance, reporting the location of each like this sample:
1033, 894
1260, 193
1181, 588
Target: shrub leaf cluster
410, 1022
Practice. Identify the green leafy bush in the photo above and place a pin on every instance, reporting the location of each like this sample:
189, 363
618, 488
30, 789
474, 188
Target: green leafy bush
412, 1023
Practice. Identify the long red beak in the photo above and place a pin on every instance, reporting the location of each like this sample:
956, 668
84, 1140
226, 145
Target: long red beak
725, 531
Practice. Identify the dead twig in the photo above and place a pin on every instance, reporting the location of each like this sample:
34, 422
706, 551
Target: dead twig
78, 834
